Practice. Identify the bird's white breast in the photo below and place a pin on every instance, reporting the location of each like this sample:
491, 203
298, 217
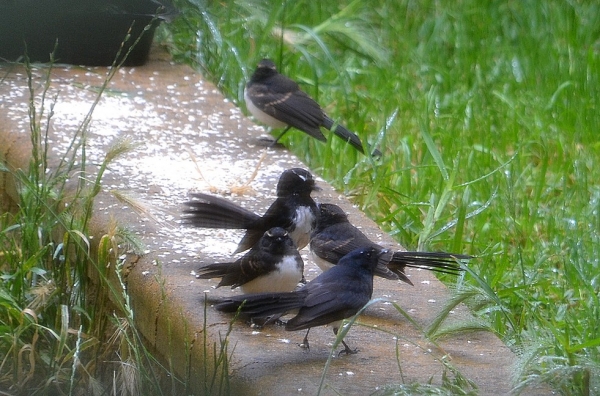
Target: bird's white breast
284, 278
304, 220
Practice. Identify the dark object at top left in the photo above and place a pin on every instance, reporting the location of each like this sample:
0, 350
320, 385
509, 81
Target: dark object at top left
88, 32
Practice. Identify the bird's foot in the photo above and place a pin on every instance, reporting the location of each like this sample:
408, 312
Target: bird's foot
305, 341
254, 325
305, 345
347, 350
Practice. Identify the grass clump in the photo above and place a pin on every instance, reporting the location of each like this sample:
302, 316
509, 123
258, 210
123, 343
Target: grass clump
66, 322
59, 328
487, 117
66, 326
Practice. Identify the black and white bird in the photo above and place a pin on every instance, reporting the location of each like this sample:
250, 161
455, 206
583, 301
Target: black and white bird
272, 265
278, 102
335, 237
294, 210
330, 298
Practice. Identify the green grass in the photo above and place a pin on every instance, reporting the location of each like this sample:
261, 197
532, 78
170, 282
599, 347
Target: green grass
61, 317
66, 324
487, 114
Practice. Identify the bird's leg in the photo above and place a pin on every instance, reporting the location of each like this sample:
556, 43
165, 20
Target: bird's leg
346, 349
305, 341
280, 136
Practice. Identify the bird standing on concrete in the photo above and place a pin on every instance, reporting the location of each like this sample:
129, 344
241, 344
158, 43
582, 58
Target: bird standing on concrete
278, 102
331, 297
272, 265
294, 210
335, 237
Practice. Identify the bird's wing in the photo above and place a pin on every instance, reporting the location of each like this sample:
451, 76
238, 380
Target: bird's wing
230, 273
326, 249
296, 109
334, 242
338, 240
336, 297
330, 246
246, 269
278, 215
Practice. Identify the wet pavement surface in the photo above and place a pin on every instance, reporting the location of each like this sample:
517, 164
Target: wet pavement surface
188, 138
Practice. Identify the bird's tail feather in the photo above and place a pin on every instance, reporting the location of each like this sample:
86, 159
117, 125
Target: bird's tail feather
262, 305
344, 134
208, 211
347, 136
217, 270
432, 261
383, 271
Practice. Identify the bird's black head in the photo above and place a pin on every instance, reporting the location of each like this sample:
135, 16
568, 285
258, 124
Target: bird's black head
330, 214
266, 64
277, 240
296, 181
362, 258
264, 69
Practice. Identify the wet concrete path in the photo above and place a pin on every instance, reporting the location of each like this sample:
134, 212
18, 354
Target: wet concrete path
189, 138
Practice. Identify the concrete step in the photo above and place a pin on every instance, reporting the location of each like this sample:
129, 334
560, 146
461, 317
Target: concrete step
170, 111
